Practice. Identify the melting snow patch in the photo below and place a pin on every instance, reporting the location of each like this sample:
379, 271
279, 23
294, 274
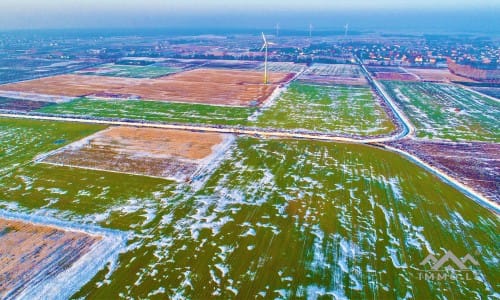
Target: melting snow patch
249, 232
65, 284
393, 252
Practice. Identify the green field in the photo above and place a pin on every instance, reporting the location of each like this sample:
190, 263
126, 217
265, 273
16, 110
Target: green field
444, 111
22, 140
113, 70
278, 219
339, 109
154, 111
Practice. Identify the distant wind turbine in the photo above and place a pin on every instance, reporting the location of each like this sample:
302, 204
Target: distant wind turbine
310, 30
277, 29
346, 27
265, 47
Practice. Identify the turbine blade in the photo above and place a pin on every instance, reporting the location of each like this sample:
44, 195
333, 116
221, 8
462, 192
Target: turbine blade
263, 47
264, 38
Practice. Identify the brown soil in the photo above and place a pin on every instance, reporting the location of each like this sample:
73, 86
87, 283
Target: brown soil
142, 151
474, 164
31, 253
23, 105
328, 80
108, 160
220, 87
69, 85
228, 76
395, 76
437, 75
159, 142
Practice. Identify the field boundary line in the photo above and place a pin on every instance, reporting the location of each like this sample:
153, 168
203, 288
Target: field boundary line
252, 131
476, 92
408, 128
479, 198
110, 171
468, 191
66, 283
274, 97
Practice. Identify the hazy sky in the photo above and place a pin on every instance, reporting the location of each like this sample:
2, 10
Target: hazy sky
130, 13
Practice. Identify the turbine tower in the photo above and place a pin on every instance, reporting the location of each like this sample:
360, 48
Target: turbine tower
346, 27
264, 47
310, 30
277, 29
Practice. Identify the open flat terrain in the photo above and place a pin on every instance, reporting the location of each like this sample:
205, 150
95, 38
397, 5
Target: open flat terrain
231, 64
229, 77
474, 164
22, 105
490, 91
120, 70
17, 136
70, 85
14, 68
333, 74
392, 73
33, 254
346, 110
282, 67
436, 75
153, 111
207, 86
317, 185
181, 63
153, 152
346, 210
444, 111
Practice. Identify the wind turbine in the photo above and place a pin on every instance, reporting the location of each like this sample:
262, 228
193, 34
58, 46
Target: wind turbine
264, 47
277, 29
310, 30
346, 27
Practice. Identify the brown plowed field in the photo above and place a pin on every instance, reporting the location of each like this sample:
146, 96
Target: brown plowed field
22, 105
229, 76
143, 151
474, 164
219, 87
70, 85
330, 80
32, 253
395, 76
437, 75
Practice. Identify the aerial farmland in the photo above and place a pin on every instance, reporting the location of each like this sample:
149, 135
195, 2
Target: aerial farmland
188, 177
168, 154
448, 112
263, 194
221, 87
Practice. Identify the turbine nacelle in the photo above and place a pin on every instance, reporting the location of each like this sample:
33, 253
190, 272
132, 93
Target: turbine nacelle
266, 43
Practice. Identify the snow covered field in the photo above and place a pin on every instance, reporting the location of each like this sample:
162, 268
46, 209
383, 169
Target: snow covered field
449, 112
277, 218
